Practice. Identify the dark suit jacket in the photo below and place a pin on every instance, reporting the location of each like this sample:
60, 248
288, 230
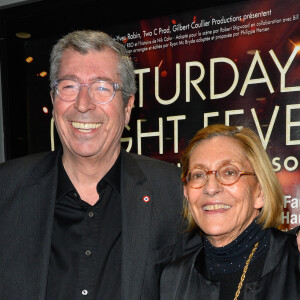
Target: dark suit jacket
280, 278
151, 235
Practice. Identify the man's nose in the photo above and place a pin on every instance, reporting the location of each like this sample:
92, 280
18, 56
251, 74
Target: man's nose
84, 102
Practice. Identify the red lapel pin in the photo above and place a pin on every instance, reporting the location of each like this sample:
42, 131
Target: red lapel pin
146, 199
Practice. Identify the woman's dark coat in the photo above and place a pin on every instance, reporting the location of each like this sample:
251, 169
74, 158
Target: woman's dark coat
280, 279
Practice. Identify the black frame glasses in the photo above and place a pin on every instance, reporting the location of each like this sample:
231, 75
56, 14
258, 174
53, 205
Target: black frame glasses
100, 91
227, 174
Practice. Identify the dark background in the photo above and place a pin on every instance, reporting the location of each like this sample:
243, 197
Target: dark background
46, 21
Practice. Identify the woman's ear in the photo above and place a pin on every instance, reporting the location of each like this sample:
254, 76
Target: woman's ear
185, 192
259, 197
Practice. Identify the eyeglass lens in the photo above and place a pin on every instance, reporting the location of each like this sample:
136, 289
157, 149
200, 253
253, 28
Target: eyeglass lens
100, 91
226, 175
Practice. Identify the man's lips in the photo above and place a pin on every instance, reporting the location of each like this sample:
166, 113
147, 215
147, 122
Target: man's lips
219, 206
85, 127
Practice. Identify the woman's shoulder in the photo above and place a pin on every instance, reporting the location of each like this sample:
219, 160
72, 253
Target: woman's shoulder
282, 250
177, 275
282, 238
182, 264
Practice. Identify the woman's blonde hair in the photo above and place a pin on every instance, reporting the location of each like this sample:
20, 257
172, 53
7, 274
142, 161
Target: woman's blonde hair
270, 214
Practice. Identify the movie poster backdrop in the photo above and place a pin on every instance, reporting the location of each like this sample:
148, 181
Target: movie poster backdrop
235, 64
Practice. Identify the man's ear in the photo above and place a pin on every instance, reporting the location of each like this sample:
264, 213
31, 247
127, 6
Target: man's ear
52, 96
128, 109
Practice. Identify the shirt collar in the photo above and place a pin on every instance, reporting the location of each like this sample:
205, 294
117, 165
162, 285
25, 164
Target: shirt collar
113, 176
65, 186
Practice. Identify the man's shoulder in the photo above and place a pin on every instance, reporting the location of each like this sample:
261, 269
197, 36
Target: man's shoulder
154, 162
153, 169
24, 164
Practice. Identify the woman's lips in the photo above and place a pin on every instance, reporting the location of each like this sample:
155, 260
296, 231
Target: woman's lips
219, 206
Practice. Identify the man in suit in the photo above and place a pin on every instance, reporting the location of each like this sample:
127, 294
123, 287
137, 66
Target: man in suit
89, 220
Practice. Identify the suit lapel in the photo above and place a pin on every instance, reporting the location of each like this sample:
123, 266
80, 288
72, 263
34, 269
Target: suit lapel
38, 213
137, 203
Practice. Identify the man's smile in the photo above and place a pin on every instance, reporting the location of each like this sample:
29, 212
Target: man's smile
85, 127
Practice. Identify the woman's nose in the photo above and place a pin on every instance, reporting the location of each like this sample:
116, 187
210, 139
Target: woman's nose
212, 185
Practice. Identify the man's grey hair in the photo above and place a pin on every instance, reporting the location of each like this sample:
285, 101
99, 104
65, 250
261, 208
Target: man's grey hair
86, 40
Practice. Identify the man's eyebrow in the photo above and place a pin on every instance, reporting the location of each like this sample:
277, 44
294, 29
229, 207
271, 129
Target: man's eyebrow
101, 78
73, 77
98, 78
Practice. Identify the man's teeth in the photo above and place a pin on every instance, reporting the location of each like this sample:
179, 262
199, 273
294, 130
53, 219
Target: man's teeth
85, 126
216, 206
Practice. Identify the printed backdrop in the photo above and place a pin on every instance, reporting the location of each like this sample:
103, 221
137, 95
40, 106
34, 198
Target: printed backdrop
237, 64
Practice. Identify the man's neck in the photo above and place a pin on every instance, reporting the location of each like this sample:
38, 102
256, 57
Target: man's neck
86, 172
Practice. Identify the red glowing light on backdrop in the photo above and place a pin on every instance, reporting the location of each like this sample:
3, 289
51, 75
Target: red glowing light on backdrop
261, 99
173, 21
296, 45
164, 74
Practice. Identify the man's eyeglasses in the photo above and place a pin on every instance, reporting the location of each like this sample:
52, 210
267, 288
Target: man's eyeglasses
99, 91
227, 175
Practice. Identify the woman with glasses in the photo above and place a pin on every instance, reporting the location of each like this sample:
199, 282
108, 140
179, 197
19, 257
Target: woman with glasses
234, 199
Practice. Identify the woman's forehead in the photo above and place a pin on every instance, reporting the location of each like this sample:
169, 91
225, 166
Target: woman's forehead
218, 150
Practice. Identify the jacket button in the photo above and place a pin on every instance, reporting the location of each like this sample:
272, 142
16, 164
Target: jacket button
84, 292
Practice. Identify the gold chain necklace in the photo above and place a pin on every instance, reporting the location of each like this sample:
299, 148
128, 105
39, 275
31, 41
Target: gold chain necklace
245, 271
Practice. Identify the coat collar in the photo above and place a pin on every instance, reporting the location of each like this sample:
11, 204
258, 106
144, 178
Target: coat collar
278, 241
137, 204
40, 207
